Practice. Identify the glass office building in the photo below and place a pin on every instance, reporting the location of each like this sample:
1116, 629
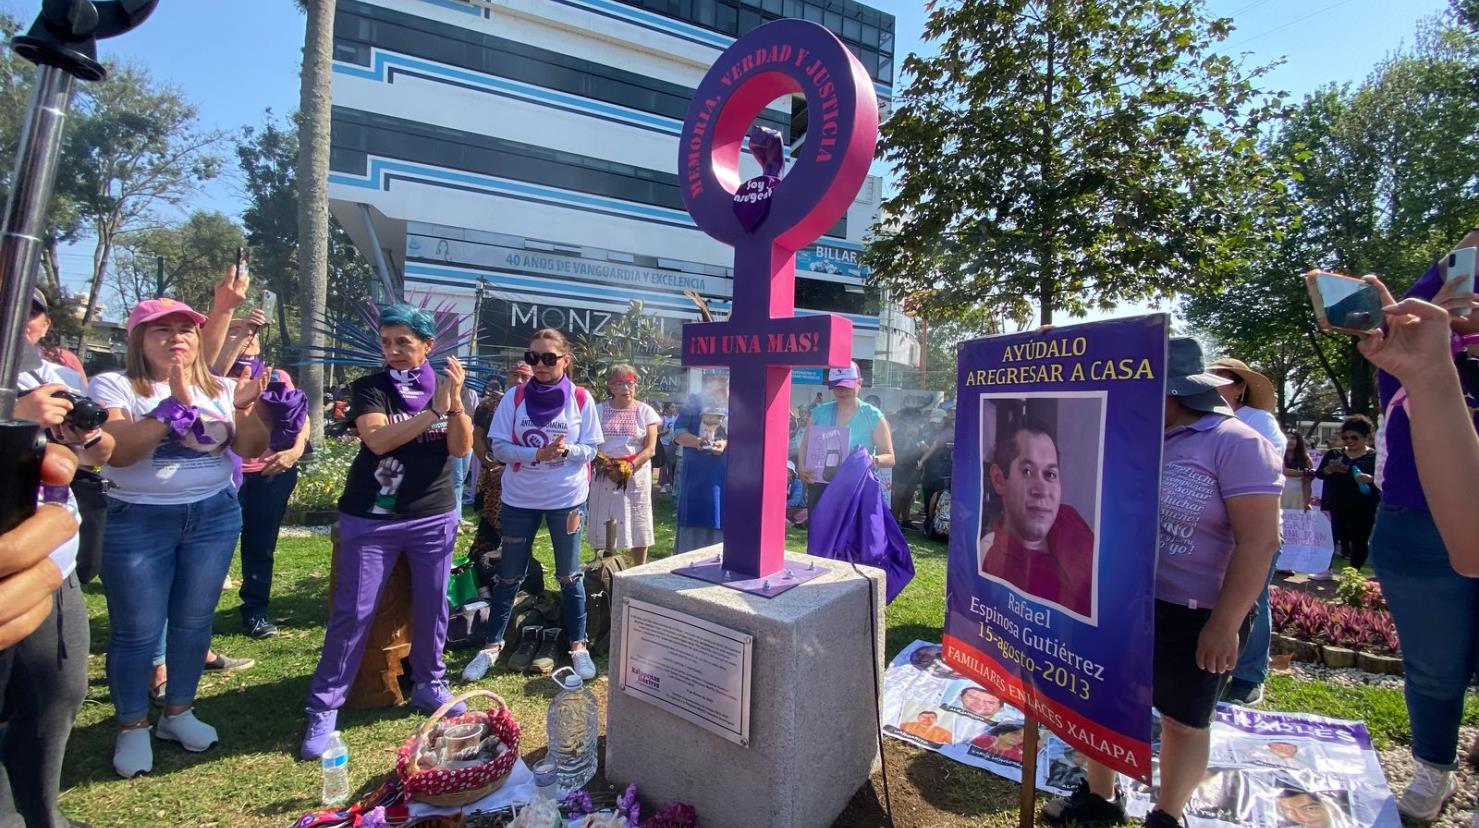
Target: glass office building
518, 160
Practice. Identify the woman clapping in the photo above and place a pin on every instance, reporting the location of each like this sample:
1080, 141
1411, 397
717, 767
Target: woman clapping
173, 520
397, 501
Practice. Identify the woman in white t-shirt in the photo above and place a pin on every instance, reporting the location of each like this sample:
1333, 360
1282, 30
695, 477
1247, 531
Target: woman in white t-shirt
173, 519
630, 427
546, 433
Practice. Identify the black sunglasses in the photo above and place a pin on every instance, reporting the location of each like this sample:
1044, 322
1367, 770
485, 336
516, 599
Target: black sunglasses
549, 358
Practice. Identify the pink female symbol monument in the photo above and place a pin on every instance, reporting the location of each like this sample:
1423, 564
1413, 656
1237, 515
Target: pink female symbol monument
763, 339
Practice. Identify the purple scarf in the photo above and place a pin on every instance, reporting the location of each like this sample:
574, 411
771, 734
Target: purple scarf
543, 402
414, 387
254, 363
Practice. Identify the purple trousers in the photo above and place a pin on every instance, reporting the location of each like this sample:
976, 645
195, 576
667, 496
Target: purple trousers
368, 550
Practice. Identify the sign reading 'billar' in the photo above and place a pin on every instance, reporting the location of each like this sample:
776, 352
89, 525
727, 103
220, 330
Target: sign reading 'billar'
766, 219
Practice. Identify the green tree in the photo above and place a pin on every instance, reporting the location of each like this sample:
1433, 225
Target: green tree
1071, 156
634, 337
1377, 184
196, 253
268, 158
132, 148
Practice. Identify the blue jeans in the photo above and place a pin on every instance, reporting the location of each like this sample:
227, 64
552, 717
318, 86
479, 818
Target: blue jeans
1252, 669
519, 528
460, 467
1436, 611
264, 500
164, 562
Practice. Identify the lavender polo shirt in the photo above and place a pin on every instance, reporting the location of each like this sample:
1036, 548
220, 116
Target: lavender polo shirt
1396, 468
1202, 465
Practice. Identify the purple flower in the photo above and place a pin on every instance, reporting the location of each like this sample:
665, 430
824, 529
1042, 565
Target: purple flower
628, 806
578, 803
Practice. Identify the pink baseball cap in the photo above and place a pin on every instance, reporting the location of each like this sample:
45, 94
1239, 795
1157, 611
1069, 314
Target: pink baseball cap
152, 309
849, 377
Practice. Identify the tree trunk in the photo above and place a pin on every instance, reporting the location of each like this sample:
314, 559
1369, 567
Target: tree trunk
1329, 370
99, 269
1048, 248
1363, 383
313, 198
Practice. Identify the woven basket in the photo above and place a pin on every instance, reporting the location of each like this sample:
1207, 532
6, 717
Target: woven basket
449, 788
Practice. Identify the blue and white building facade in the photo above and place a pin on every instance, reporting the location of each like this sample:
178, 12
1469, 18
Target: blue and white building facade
527, 150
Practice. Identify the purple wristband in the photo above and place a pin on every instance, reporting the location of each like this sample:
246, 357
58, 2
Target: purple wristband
175, 415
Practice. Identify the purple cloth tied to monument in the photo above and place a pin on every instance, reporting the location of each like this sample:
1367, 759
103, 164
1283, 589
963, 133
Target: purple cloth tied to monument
852, 522
284, 410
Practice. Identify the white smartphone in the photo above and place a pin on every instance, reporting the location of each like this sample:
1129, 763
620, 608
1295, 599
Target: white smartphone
269, 305
1461, 263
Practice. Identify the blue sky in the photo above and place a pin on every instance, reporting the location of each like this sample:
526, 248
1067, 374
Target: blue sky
237, 60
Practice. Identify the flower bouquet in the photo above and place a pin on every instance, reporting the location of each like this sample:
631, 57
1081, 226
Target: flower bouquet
616, 469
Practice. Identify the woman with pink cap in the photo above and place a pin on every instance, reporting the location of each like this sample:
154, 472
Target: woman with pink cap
173, 519
866, 426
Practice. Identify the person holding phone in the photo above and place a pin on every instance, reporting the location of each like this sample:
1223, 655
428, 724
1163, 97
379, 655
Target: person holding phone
1434, 605
1351, 494
397, 502
545, 432
700, 435
267, 482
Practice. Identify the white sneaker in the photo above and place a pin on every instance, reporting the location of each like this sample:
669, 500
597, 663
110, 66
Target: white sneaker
1427, 793
584, 667
192, 734
481, 664
132, 752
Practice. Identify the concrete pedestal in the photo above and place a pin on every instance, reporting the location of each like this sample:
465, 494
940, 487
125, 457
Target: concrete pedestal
812, 719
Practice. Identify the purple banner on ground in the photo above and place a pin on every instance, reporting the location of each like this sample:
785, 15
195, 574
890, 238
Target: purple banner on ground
1054, 521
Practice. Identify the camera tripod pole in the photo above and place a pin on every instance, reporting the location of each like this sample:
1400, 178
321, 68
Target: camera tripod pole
63, 44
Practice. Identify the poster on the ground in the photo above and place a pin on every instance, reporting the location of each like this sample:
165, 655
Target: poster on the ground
1267, 769
1054, 523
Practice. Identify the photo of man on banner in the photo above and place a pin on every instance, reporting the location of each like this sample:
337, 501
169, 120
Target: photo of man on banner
1037, 533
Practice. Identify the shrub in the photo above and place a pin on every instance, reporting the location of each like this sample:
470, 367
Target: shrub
1354, 590
1381, 635
321, 476
1347, 627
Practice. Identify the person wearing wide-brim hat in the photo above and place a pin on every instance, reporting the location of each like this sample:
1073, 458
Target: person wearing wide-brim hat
1219, 530
1252, 398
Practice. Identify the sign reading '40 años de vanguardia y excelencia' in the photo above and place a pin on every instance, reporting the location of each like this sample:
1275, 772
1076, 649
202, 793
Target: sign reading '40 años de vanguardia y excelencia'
1054, 517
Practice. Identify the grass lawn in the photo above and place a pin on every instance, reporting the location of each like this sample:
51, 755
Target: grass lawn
254, 779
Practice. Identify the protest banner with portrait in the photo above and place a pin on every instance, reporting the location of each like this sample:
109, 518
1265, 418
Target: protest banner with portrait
1051, 580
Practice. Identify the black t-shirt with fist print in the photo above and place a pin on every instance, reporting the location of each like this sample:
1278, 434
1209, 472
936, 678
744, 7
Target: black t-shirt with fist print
414, 480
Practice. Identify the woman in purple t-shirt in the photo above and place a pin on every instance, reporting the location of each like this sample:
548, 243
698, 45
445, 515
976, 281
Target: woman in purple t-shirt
1220, 486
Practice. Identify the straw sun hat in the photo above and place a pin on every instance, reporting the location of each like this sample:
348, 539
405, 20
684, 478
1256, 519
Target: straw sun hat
1259, 390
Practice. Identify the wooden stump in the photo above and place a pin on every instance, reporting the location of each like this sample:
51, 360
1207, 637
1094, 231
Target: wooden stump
377, 683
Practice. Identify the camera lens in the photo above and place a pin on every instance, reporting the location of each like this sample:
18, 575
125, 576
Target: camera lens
1358, 319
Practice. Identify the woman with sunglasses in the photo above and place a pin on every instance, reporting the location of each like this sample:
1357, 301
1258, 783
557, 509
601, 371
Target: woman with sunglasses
398, 500
1350, 494
630, 427
546, 432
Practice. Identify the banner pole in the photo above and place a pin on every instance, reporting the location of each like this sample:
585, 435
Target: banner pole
1027, 803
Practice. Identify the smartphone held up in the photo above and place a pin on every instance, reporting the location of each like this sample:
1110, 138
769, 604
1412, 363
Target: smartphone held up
1344, 304
1461, 263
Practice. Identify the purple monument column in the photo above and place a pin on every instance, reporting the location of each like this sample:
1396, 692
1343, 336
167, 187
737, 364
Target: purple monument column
766, 220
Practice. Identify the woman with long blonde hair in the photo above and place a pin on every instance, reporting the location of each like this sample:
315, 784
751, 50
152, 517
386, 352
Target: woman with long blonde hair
173, 519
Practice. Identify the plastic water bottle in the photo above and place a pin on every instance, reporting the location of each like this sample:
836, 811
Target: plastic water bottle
572, 729
1364, 487
335, 761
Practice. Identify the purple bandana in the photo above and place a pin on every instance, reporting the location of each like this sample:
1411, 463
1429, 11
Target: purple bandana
176, 416
286, 409
254, 363
414, 387
542, 402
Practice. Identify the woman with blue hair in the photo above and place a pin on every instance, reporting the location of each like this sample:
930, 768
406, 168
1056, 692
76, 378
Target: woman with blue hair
398, 500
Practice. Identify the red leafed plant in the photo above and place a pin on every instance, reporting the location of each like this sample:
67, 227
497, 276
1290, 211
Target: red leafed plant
1310, 620
1347, 627
1381, 634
